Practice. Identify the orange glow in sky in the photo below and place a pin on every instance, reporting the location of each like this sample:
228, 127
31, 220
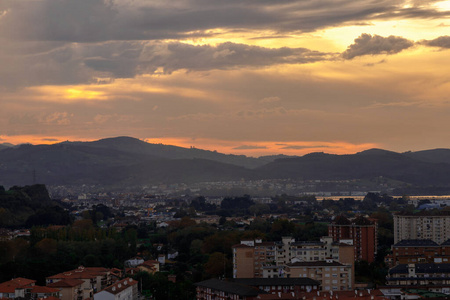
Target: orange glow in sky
242, 77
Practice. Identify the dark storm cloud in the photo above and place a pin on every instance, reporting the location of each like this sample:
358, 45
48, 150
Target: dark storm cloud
82, 63
99, 20
442, 42
368, 44
126, 59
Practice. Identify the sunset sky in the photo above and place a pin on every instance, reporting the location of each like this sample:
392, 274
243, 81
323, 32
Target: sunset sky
251, 77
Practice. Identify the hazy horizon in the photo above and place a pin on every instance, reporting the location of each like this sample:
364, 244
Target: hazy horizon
236, 153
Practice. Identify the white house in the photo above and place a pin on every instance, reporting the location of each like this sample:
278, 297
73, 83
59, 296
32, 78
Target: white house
126, 289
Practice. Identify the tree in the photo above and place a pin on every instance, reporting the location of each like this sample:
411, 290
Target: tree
217, 265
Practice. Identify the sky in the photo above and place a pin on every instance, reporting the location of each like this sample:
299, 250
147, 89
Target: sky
252, 77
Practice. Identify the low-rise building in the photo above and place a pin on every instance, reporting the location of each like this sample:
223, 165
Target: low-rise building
16, 288
94, 279
149, 266
126, 289
70, 289
40, 292
434, 277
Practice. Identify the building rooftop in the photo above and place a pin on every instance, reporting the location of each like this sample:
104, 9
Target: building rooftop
314, 263
230, 287
16, 283
416, 243
422, 268
121, 285
43, 290
276, 281
66, 283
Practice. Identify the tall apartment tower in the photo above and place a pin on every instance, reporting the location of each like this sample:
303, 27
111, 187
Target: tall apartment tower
422, 226
361, 232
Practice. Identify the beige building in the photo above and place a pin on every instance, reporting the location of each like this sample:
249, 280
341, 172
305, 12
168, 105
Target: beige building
332, 275
70, 289
422, 226
257, 259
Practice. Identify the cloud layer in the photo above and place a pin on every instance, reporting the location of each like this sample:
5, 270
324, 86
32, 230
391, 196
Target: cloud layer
249, 74
367, 44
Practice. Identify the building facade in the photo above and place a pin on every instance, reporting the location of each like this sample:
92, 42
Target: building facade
126, 289
258, 259
433, 277
332, 275
361, 231
423, 226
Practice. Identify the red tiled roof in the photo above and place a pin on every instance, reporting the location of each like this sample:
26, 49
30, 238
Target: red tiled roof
43, 290
81, 273
120, 285
16, 283
7, 289
23, 281
66, 283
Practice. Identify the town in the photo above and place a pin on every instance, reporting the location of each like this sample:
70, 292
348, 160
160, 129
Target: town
281, 247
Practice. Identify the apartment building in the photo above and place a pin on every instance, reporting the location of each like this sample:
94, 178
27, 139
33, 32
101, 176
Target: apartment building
433, 277
70, 289
361, 231
258, 259
224, 290
94, 279
423, 225
255, 288
419, 251
332, 275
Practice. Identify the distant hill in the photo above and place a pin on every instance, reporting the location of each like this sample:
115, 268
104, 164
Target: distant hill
136, 146
367, 164
119, 161
4, 146
125, 162
433, 156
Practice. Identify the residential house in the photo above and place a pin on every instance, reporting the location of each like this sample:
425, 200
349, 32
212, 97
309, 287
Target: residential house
16, 288
126, 289
94, 279
149, 266
39, 292
70, 289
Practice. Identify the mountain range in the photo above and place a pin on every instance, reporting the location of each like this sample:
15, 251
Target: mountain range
126, 161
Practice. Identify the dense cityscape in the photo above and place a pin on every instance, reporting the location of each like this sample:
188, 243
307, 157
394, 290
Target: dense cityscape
116, 246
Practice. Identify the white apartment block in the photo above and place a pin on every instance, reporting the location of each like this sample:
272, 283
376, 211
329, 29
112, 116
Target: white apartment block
257, 259
432, 227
